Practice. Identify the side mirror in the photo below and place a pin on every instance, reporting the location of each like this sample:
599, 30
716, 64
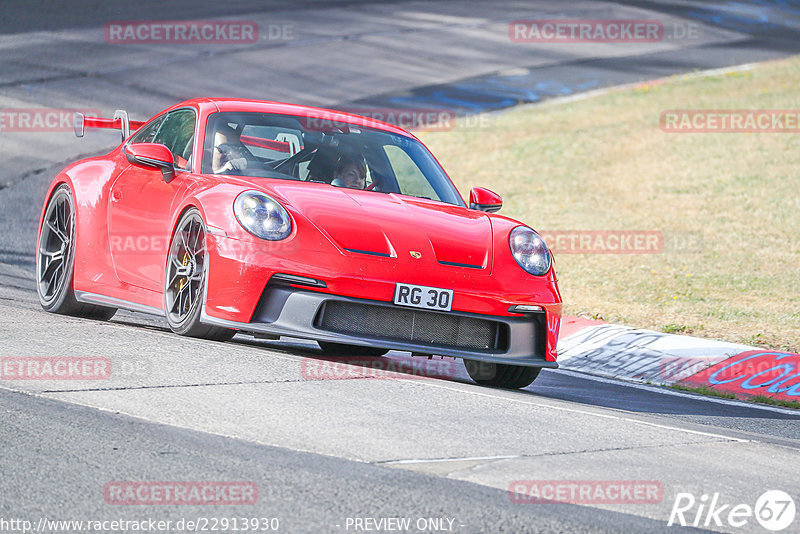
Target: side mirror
482, 199
152, 155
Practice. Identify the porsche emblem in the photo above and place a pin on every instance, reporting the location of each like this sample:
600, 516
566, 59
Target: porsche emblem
414, 254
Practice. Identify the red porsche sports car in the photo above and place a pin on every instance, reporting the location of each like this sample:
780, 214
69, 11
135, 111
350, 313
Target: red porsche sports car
273, 219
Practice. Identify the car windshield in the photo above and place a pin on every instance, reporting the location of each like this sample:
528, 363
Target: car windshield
268, 145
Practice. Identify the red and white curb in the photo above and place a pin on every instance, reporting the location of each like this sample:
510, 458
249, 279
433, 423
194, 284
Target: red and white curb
627, 353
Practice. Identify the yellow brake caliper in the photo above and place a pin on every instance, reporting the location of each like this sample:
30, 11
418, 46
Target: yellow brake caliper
185, 280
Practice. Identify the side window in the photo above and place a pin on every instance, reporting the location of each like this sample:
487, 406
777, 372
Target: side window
148, 133
177, 133
410, 178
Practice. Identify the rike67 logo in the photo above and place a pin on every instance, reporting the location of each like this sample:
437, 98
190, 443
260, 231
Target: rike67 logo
774, 510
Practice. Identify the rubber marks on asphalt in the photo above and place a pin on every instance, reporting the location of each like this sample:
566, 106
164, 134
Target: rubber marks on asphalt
654, 357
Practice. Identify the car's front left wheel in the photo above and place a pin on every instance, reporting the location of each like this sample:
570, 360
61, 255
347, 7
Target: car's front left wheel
501, 375
55, 260
184, 284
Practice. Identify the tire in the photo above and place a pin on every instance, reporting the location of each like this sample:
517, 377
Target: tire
501, 375
343, 349
55, 260
185, 280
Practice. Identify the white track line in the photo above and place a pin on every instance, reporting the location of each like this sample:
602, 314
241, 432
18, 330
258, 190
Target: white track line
442, 460
663, 390
590, 413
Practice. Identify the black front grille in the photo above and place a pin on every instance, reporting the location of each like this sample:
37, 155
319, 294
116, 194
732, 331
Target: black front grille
409, 325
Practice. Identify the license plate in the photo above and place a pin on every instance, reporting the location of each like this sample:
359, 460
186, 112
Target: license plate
430, 298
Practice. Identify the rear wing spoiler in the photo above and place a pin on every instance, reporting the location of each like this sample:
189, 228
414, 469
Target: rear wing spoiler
120, 121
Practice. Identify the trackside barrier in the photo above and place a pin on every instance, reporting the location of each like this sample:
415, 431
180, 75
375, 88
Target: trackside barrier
754, 372
654, 357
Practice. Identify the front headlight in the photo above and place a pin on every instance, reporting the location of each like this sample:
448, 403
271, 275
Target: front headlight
530, 250
262, 216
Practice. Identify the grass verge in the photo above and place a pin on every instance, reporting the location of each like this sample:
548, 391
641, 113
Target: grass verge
704, 390
762, 399
775, 402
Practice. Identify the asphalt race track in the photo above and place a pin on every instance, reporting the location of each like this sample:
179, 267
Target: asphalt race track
325, 447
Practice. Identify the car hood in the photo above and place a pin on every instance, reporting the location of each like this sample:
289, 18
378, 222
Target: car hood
381, 224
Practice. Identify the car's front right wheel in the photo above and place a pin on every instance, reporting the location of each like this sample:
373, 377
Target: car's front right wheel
501, 375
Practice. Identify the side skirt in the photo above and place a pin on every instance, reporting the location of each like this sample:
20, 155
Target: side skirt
102, 300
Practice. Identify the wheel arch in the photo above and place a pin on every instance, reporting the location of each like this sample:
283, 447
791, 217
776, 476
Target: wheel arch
89, 182
179, 213
61, 179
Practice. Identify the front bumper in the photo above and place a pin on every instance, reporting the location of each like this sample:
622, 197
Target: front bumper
287, 310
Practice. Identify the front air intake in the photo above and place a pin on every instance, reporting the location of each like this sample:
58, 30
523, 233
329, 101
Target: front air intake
412, 326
